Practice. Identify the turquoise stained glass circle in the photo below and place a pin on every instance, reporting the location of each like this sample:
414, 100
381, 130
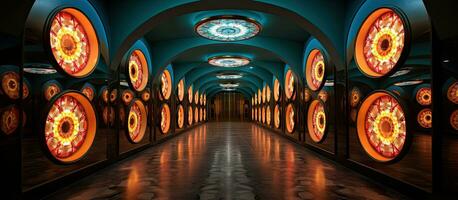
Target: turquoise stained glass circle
228, 28
228, 61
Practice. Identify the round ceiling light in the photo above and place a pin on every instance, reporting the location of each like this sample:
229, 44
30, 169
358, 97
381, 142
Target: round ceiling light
228, 28
229, 85
228, 61
229, 76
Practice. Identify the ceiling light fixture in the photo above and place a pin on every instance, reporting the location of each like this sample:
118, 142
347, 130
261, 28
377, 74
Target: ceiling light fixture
228, 61
229, 76
228, 28
229, 85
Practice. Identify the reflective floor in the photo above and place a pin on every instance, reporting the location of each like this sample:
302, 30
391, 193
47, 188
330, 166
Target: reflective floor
228, 160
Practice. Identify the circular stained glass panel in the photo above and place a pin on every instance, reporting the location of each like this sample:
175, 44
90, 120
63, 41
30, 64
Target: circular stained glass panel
9, 120
381, 126
70, 127
180, 88
277, 116
315, 70
452, 92
276, 90
268, 115
196, 114
127, 96
289, 84
180, 117
190, 114
316, 121
380, 42
166, 84
228, 28
136, 121
89, 91
10, 85
454, 120
290, 118
138, 70
165, 118
425, 118
74, 43
355, 97
190, 94
51, 88
423, 96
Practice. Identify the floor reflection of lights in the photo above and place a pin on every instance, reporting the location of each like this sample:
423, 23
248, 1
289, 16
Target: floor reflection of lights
226, 161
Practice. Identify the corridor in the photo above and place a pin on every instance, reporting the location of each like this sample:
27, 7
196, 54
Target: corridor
229, 160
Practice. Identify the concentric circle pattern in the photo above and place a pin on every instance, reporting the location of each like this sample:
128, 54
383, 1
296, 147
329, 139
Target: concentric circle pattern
315, 70
180, 88
113, 95
165, 118
138, 70
228, 28
425, 118
454, 120
146, 95
268, 115
290, 118
307, 95
355, 97
423, 96
166, 84
196, 97
452, 92
9, 120
316, 121
276, 90
127, 96
196, 114
190, 115
74, 42
89, 91
10, 84
190, 94
277, 116
70, 127
51, 89
289, 84
180, 116
136, 121
381, 125
380, 42
323, 95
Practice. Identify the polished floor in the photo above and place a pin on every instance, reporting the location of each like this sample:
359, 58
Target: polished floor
228, 160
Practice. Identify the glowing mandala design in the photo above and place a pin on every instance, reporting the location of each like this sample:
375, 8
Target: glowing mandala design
138, 70
228, 28
196, 114
452, 92
323, 95
289, 84
190, 94
146, 95
201, 113
228, 61
190, 114
380, 42
9, 120
180, 117
136, 121
355, 97
454, 120
381, 125
263, 114
113, 95
70, 127
268, 115
423, 96
277, 116
88, 91
307, 95
166, 84
127, 96
315, 70
10, 85
290, 118
316, 121
268, 93
180, 89
74, 42
276, 90
425, 118
165, 118
196, 97
52, 88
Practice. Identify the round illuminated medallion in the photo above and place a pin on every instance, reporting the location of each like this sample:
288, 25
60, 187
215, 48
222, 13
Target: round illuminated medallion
138, 70
423, 96
89, 91
255, 99
425, 118
263, 114
10, 84
380, 42
264, 93
190, 114
316, 121
70, 127
323, 95
74, 43
259, 114
259, 96
190, 94
268, 93
201, 99
9, 120
381, 126
165, 118
315, 70
307, 95
180, 89
196, 97
104, 94
276, 90
290, 118
201, 113
136, 121
108, 115
228, 61
277, 116
113, 95
268, 115
355, 97
452, 92
51, 88
196, 114
180, 117
205, 99
228, 28
454, 120
289, 84
146, 95
166, 84
127, 96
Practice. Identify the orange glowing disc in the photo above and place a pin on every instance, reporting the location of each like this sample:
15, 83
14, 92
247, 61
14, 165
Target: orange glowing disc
276, 90
452, 92
166, 84
425, 118
138, 70
316, 121
108, 115
454, 120
423, 96
196, 114
74, 42
165, 118
289, 84
146, 95
89, 91
180, 116
190, 114
70, 127
380, 42
355, 97
290, 118
113, 95
9, 120
268, 115
277, 116
180, 89
136, 121
315, 70
323, 95
51, 88
127, 96
190, 94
